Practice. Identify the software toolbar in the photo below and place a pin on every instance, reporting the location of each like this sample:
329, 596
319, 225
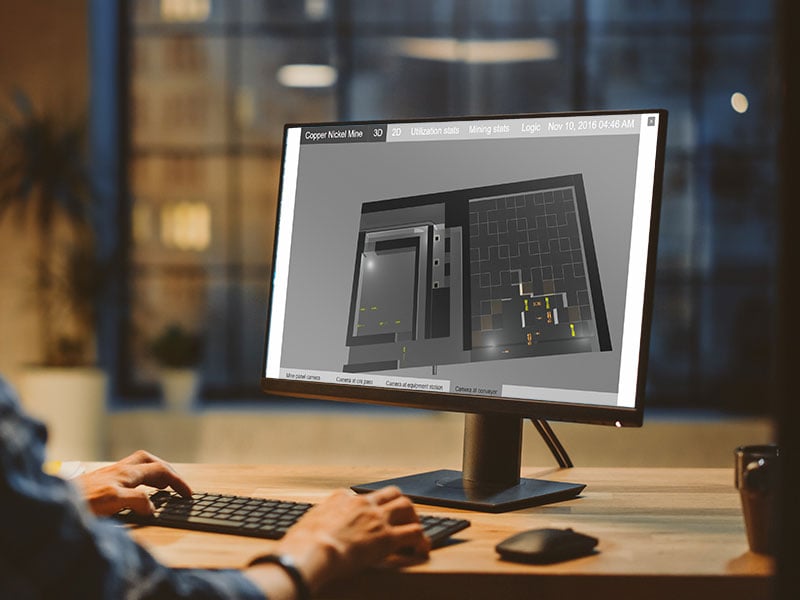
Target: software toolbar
471, 130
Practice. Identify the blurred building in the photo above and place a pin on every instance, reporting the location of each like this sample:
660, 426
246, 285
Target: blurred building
187, 99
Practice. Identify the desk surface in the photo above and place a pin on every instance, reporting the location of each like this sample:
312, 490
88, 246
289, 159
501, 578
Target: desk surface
663, 533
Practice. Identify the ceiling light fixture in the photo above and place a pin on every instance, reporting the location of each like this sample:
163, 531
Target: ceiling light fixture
739, 102
307, 76
477, 51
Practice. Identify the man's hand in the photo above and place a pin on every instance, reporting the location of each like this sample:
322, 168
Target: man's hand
110, 489
346, 533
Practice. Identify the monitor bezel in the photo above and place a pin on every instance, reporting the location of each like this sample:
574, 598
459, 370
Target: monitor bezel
477, 404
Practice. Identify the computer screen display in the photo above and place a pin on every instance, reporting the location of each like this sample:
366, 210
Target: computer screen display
483, 265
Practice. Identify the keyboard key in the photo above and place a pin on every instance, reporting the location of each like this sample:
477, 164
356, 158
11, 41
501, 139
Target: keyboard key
213, 522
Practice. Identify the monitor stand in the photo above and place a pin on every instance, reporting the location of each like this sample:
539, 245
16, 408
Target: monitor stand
490, 480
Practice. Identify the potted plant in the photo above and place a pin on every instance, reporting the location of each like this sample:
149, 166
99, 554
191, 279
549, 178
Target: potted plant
178, 353
44, 182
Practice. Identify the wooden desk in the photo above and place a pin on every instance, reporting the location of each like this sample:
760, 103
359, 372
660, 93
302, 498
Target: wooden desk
664, 533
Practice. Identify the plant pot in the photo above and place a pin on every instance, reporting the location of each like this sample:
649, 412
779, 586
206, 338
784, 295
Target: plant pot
179, 388
72, 403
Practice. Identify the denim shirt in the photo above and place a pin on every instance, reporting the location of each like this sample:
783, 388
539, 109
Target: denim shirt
52, 546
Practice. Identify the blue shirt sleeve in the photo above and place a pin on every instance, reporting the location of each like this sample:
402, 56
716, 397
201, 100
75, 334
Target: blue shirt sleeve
52, 546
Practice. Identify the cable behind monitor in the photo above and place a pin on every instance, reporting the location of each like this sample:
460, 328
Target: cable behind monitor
551, 439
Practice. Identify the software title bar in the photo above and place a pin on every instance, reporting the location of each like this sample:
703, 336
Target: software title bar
546, 127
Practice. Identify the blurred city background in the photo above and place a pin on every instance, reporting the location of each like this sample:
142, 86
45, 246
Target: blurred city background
182, 104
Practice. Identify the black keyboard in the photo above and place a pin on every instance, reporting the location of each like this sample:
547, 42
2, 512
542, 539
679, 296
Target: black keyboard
255, 517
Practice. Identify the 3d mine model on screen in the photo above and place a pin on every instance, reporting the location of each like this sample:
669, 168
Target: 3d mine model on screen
487, 273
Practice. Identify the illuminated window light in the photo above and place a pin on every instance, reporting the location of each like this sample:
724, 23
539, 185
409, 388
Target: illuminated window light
245, 107
307, 76
186, 226
185, 11
739, 102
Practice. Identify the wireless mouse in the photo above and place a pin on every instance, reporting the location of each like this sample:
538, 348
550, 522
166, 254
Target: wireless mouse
544, 546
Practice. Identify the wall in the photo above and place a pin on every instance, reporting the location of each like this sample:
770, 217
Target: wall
43, 51
416, 439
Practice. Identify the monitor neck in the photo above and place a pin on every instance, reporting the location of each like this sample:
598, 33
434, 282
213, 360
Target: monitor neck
492, 451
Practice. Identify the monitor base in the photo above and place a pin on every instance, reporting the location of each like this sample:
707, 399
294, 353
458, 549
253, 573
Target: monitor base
447, 488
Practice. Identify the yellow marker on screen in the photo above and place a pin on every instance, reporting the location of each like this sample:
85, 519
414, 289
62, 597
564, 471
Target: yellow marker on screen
547, 301
572, 329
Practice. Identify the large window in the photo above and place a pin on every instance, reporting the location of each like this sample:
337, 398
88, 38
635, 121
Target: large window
210, 84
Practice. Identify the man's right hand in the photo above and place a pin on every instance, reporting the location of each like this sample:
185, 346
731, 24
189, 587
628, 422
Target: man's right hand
347, 533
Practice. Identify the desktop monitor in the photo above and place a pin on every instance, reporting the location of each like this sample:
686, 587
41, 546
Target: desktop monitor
499, 266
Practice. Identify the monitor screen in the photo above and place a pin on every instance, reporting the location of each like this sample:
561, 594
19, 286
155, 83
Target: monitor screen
495, 265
